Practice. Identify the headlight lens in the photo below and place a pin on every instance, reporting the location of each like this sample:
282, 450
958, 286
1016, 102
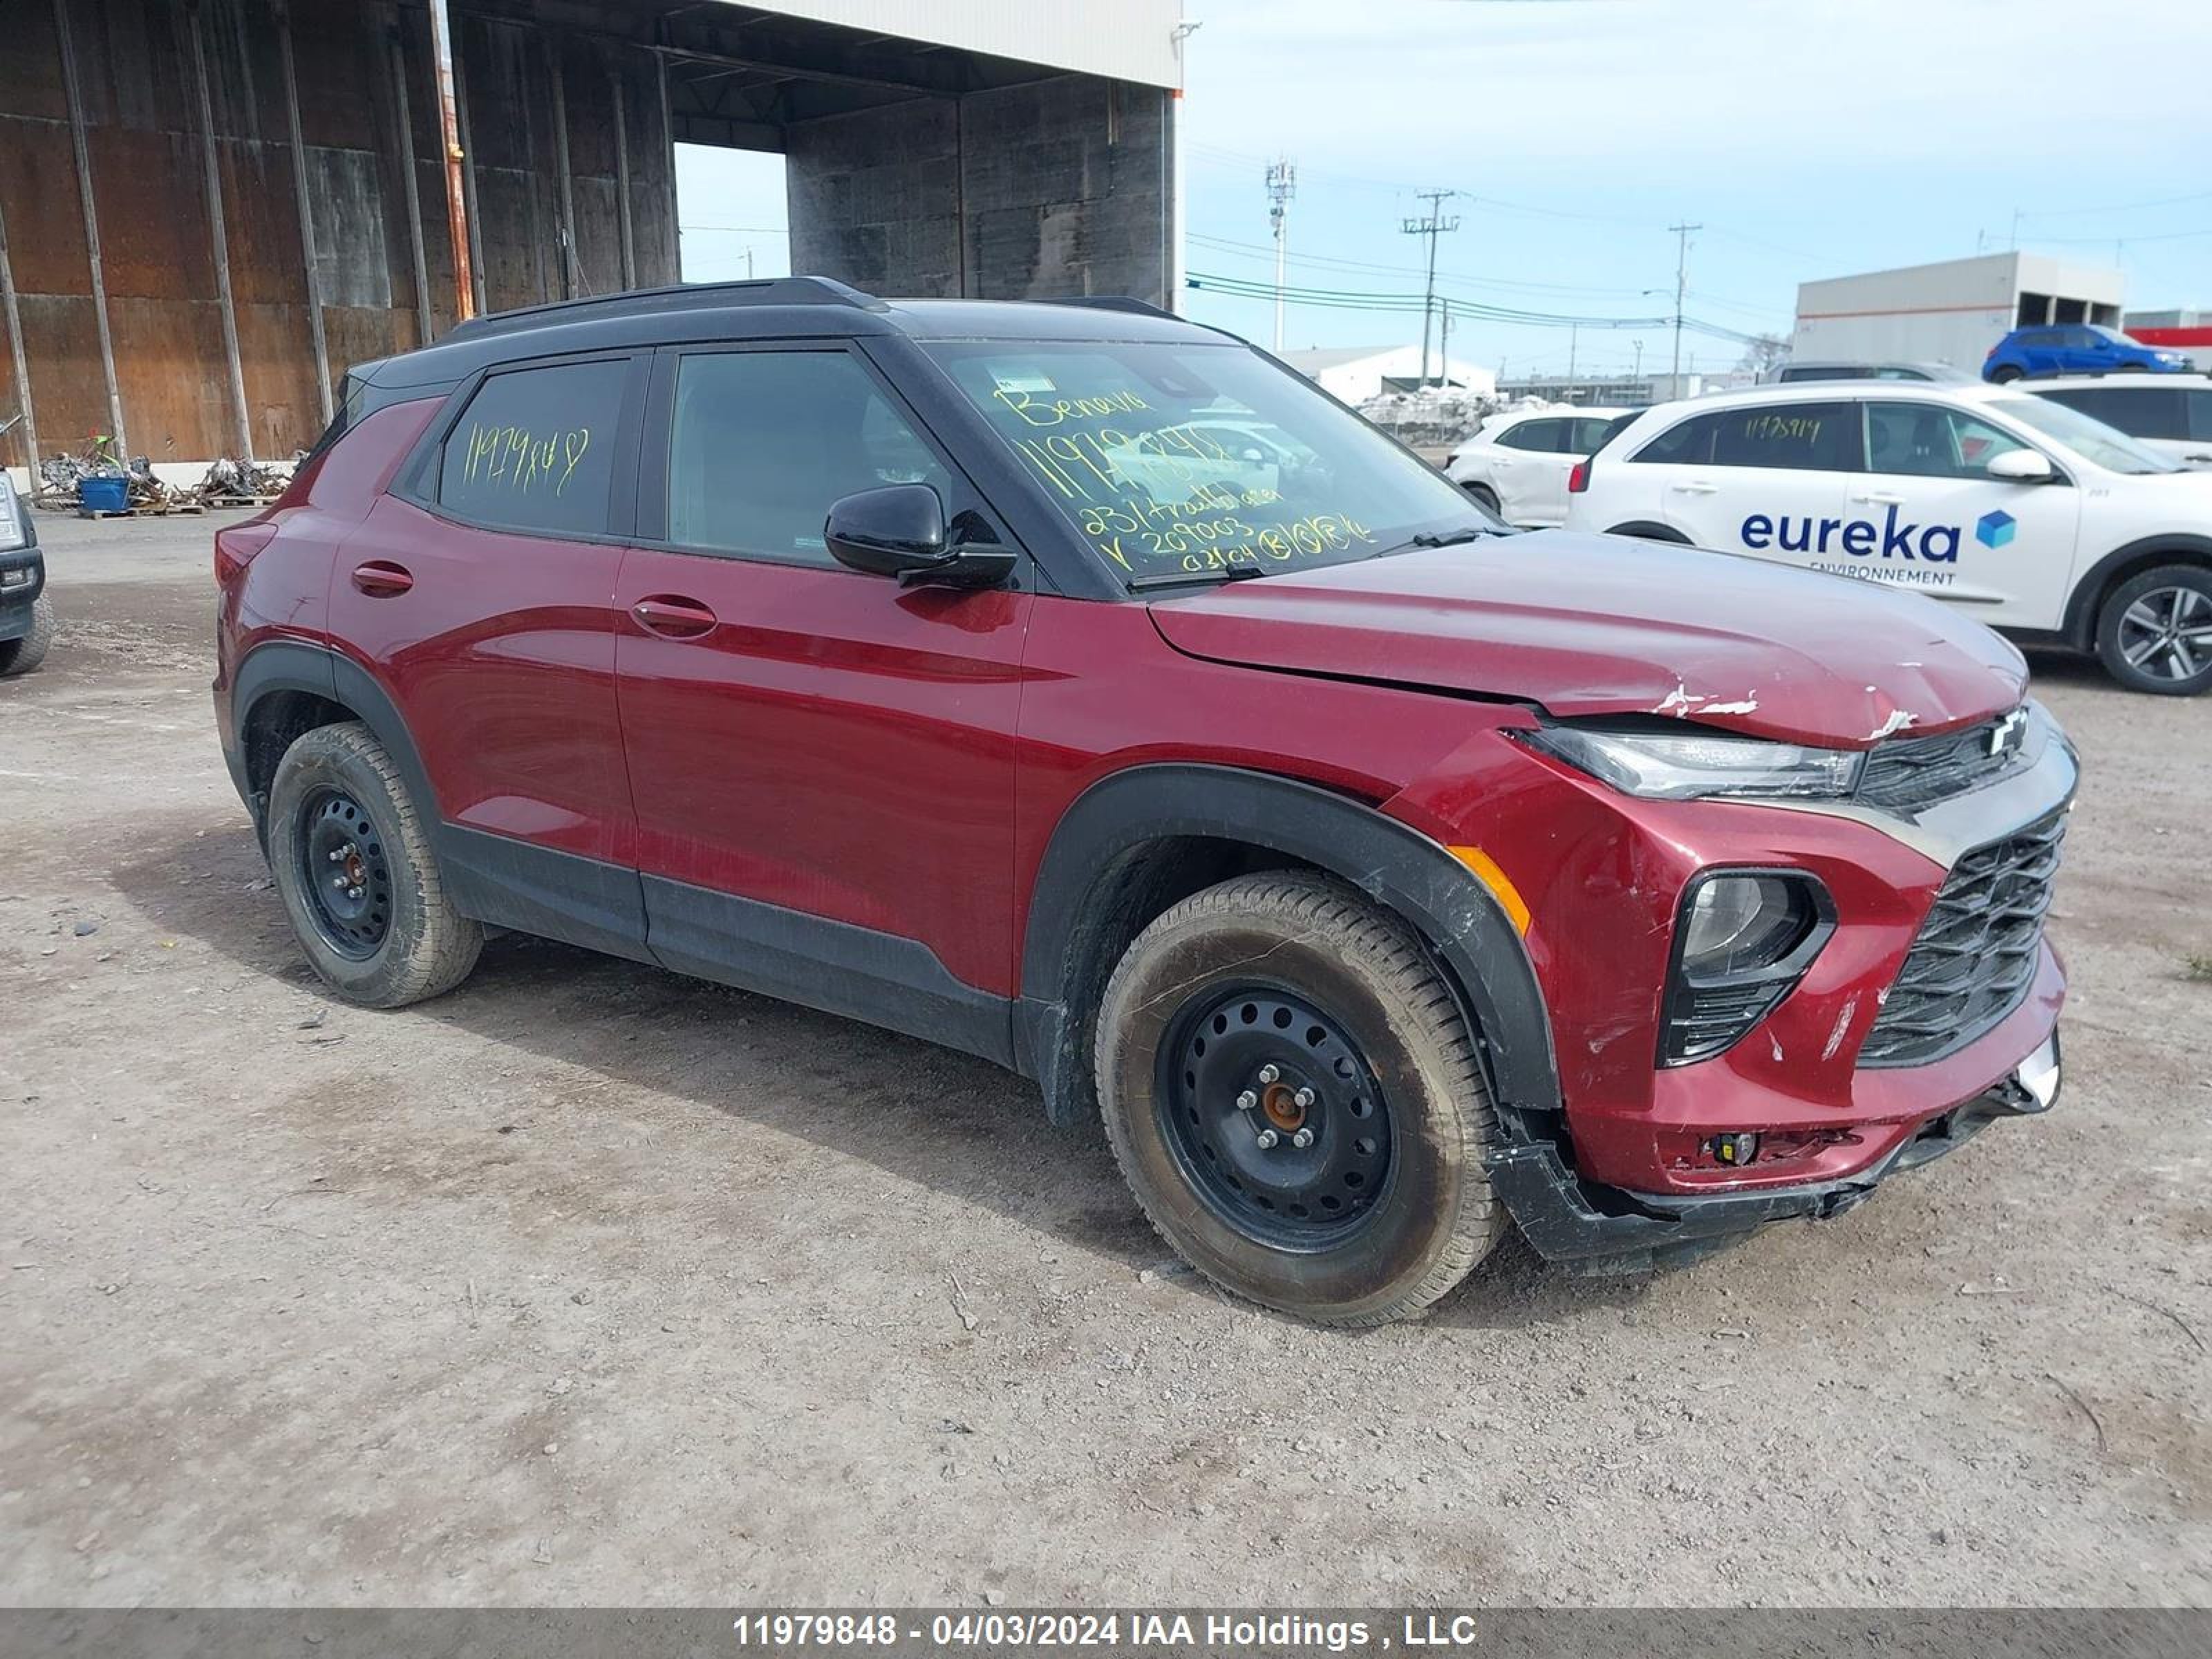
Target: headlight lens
1697, 765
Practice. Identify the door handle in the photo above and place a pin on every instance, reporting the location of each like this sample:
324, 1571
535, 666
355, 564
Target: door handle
1881, 498
380, 578
1697, 487
673, 617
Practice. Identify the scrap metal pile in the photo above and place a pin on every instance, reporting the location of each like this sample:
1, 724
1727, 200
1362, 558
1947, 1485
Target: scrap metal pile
227, 482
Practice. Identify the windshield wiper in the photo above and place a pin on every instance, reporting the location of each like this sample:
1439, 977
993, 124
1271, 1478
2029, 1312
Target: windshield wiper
1227, 573
1474, 532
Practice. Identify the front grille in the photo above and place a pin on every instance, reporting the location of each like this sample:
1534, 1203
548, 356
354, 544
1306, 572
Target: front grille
1975, 955
1907, 774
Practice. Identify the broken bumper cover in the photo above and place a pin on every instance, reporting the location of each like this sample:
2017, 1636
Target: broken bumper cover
1607, 1229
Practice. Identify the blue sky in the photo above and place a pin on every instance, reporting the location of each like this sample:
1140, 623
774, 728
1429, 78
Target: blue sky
1810, 138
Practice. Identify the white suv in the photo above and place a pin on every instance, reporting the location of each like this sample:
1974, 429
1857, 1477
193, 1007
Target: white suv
1516, 465
2169, 413
2024, 513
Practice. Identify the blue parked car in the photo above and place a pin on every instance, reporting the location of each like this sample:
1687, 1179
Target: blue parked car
2074, 349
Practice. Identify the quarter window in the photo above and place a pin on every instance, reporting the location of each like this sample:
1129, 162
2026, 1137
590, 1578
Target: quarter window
2200, 414
764, 441
1926, 440
535, 449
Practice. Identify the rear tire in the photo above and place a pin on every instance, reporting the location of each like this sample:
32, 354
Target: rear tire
349, 851
20, 656
1389, 1205
1487, 495
2155, 631
2004, 376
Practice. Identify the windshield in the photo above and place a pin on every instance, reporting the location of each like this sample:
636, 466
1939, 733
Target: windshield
1202, 459
2092, 440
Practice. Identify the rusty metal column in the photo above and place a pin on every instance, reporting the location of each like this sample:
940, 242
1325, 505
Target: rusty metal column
91, 228
572, 264
307, 211
622, 176
449, 130
218, 234
405, 110
479, 272
668, 173
14, 317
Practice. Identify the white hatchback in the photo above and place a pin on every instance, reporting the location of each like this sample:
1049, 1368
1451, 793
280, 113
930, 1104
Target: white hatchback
2031, 517
1516, 464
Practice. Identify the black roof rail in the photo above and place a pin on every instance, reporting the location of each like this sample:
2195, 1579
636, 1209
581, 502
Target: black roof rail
1115, 302
685, 296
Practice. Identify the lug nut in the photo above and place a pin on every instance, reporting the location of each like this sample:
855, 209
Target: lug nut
1269, 1073
1303, 1140
340, 882
336, 853
1247, 1101
1267, 1138
353, 892
1303, 1098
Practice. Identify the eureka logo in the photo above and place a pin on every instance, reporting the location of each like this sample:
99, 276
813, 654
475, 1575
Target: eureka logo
1862, 538
1994, 528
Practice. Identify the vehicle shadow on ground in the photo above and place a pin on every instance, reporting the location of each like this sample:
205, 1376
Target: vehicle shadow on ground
921, 1113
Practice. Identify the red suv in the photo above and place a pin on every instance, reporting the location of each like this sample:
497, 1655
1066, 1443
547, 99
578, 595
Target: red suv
1080, 687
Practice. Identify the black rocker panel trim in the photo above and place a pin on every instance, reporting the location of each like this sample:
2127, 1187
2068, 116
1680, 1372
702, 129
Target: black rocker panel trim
886, 980
1400, 868
540, 890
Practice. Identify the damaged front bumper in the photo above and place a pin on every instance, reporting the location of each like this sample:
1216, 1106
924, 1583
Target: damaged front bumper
1595, 1229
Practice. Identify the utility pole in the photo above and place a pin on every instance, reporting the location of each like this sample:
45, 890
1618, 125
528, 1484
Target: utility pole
1682, 283
1637, 345
1443, 344
1431, 227
1573, 329
1282, 184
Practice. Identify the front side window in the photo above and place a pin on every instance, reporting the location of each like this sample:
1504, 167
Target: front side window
760, 443
1184, 458
1927, 441
535, 449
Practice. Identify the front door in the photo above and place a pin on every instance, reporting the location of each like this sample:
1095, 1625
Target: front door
823, 761
1940, 526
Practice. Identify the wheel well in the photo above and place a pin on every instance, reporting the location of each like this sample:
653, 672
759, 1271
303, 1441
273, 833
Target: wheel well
1140, 884
2089, 603
274, 724
1650, 533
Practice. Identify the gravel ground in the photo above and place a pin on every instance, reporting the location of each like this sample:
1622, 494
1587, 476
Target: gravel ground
590, 1284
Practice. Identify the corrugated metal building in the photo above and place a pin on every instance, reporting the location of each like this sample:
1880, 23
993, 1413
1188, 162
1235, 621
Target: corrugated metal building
209, 208
1948, 313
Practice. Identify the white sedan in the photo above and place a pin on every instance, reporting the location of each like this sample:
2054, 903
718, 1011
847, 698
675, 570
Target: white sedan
1516, 464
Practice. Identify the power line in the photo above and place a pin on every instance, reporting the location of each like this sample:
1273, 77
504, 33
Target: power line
1245, 287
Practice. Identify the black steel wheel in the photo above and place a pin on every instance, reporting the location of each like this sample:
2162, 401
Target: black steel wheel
353, 862
1291, 1092
1275, 1116
345, 873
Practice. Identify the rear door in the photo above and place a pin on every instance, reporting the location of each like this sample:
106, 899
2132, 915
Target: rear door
822, 760
478, 594
1528, 472
1928, 516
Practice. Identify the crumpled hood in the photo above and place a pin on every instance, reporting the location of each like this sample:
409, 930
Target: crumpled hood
1603, 625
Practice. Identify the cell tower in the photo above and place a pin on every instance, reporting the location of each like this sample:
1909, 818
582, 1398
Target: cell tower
1282, 184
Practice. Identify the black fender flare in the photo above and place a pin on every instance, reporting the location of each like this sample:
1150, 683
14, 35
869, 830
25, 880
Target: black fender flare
1394, 865
1644, 530
2082, 604
294, 666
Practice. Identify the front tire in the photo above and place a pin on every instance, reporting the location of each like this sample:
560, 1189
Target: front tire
23, 654
1280, 1004
1487, 497
2155, 631
351, 855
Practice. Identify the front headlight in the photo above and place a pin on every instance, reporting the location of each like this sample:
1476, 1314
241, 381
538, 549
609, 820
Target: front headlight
1698, 765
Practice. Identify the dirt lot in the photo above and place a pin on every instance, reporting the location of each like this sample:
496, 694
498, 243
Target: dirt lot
591, 1284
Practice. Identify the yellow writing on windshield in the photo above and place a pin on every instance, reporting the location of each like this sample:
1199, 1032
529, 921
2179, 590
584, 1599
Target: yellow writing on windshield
1059, 412
521, 460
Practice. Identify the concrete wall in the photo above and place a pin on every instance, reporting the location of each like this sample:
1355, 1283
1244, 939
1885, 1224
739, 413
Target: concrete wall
146, 144
1055, 188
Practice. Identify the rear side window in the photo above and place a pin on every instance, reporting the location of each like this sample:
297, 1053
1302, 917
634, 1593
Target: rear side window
535, 450
1814, 437
1545, 437
761, 443
2140, 411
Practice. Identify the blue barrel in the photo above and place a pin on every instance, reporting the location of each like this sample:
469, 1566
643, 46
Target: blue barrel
104, 494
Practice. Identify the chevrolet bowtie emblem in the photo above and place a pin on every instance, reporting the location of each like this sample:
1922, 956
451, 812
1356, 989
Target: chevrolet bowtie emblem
2006, 733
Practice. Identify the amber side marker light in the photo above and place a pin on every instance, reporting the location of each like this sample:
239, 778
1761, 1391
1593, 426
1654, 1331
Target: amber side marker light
1501, 886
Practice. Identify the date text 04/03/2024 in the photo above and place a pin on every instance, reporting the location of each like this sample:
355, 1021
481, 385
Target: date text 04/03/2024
1059, 1628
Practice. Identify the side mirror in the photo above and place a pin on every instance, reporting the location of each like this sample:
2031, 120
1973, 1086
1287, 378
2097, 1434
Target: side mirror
2021, 467
900, 530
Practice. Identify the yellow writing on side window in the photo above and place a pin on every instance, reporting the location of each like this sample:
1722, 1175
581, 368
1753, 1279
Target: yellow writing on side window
521, 460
